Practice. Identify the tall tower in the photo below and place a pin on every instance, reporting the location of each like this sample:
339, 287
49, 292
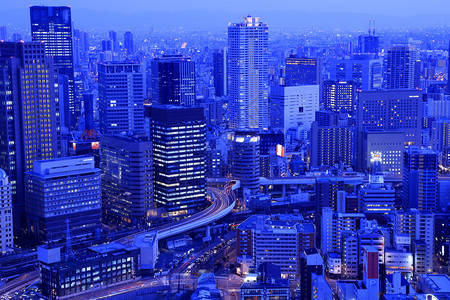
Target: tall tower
6, 217
29, 114
179, 157
220, 72
399, 67
121, 109
248, 73
173, 80
53, 26
128, 42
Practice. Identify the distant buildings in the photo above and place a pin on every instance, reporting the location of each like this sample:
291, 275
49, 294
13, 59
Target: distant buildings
220, 74
6, 214
179, 157
173, 80
121, 91
63, 190
127, 179
53, 26
248, 72
128, 42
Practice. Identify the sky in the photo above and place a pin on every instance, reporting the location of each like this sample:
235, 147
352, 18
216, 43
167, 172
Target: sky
212, 13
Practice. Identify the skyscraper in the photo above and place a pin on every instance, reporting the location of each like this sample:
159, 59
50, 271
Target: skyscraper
128, 42
399, 67
246, 159
3, 33
420, 179
63, 189
29, 114
173, 80
303, 70
179, 157
114, 41
339, 96
248, 74
53, 26
369, 43
127, 186
6, 215
220, 72
121, 90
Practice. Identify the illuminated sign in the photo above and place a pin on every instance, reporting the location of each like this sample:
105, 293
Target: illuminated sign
95, 145
280, 150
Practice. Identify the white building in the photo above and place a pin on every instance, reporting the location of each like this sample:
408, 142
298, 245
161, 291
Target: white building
291, 106
399, 260
6, 217
334, 263
248, 69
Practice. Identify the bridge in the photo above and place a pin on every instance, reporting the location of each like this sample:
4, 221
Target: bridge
223, 202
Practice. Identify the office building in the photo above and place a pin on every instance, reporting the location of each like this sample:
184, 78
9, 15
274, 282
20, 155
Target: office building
280, 242
3, 33
128, 43
121, 92
114, 42
388, 110
420, 181
332, 142
388, 145
213, 109
6, 214
248, 74
220, 72
127, 173
419, 225
179, 157
246, 159
292, 106
364, 70
29, 115
173, 80
339, 96
442, 238
311, 265
369, 43
440, 134
400, 67
94, 268
398, 261
52, 25
63, 190
303, 70
376, 196
333, 226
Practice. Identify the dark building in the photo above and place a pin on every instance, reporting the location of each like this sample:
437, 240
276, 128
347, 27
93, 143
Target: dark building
442, 238
94, 268
53, 26
128, 43
369, 43
303, 70
179, 157
26, 133
220, 72
173, 80
400, 67
127, 179
310, 262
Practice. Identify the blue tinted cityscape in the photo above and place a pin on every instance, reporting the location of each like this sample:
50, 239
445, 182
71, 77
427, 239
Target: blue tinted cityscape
252, 160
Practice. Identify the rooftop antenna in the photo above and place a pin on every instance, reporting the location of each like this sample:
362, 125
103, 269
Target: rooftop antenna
69, 252
373, 29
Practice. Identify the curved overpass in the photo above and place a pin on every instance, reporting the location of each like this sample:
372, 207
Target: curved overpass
223, 202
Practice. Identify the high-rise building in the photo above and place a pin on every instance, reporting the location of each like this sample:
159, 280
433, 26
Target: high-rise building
364, 70
371, 270
127, 179
339, 96
311, 265
173, 80
128, 42
53, 26
29, 114
440, 134
303, 70
388, 110
399, 67
369, 43
388, 145
419, 225
179, 157
220, 72
376, 196
331, 142
114, 41
6, 214
420, 182
292, 106
63, 190
3, 33
246, 159
248, 74
121, 91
